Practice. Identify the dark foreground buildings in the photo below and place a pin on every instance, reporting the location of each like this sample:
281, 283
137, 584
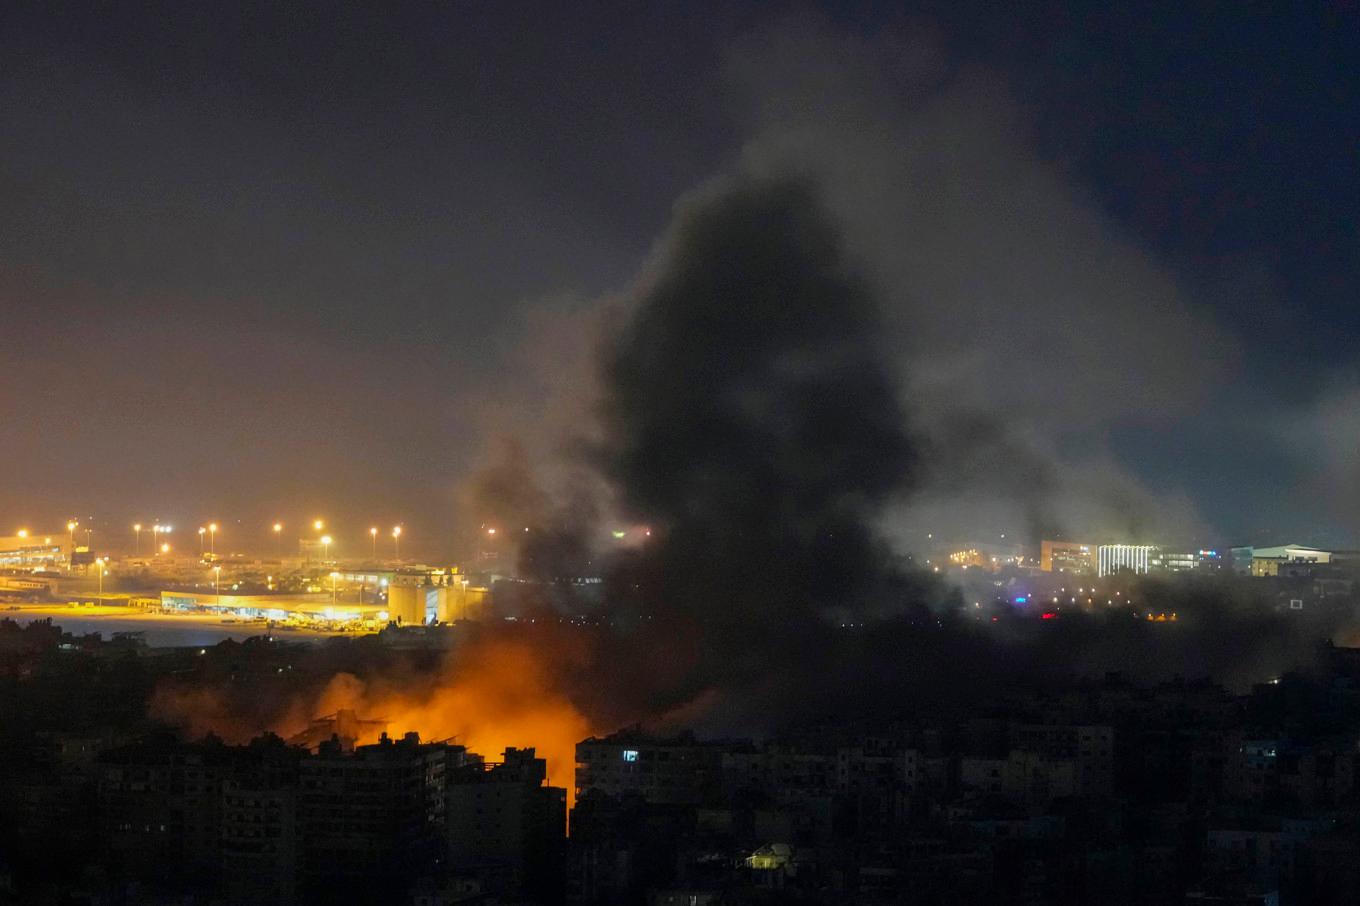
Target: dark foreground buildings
1092, 791
1101, 792
270, 823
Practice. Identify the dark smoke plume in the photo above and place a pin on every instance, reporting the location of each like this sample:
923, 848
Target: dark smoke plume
751, 420
750, 417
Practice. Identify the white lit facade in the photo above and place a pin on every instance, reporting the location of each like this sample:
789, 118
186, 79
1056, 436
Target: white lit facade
1112, 558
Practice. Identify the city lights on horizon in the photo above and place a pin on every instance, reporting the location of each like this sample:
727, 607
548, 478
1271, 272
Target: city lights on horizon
206, 532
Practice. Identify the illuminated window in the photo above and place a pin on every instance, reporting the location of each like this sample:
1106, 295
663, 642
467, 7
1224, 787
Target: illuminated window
630, 755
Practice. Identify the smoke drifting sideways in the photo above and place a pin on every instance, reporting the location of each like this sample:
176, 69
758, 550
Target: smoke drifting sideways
749, 415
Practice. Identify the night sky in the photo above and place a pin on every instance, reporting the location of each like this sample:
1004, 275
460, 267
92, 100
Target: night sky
261, 263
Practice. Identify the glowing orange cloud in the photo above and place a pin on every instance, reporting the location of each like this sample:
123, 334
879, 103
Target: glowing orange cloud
495, 694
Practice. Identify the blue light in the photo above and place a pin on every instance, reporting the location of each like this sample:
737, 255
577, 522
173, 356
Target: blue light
1021, 599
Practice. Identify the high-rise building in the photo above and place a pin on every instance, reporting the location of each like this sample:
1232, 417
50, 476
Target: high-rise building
678, 770
506, 827
366, 818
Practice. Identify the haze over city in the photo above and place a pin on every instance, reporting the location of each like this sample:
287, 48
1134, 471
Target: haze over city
678, 454
263, 263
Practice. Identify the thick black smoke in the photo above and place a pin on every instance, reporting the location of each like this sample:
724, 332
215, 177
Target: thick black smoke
750, 416
751, 421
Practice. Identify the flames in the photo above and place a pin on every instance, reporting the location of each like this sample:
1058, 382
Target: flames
496, 694
496, 691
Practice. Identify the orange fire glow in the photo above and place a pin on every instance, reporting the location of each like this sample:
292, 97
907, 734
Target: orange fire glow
497, 694
492, 693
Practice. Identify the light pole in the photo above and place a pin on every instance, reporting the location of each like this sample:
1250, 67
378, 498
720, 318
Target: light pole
373, 534
396, 541
217, 584
71, 528
99, 562
201, 532
212, 538
325, 548
136, 539
334, 575
278, 538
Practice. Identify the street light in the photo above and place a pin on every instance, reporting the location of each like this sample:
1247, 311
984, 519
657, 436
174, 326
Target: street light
278, 538
334, 575
325, 547
71, 527
396, 540
217, 584
99, 562
201, 532
136, 539
318, 525
373, 533
212, 538
23, 533
165, 548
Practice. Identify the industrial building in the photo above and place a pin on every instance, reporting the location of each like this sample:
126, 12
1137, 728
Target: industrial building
1268, 561
410, 603
36, 550
274, 606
